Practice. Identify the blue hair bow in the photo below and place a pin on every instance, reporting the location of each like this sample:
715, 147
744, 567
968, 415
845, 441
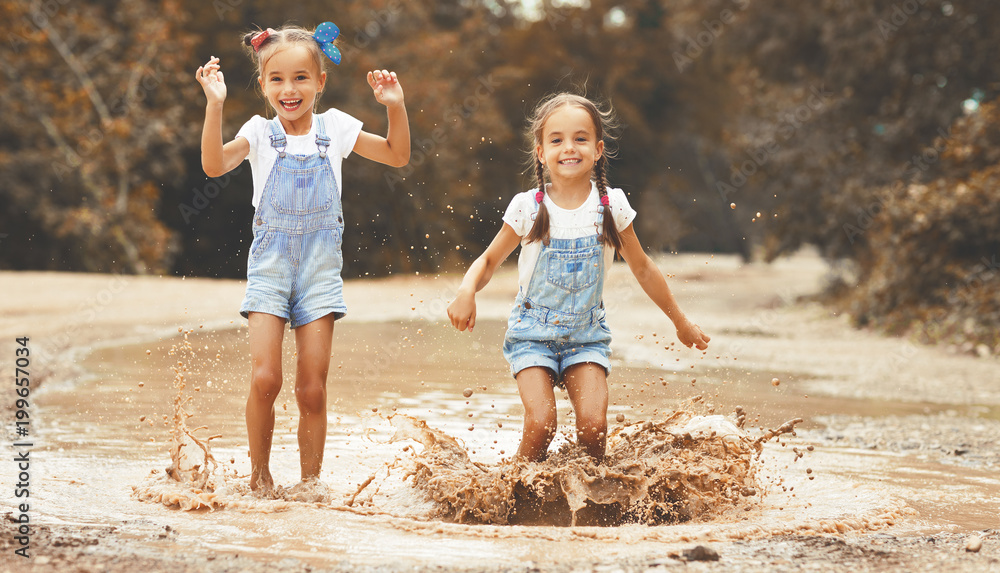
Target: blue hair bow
324, 35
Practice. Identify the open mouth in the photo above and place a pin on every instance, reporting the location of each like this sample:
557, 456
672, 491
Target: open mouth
290, 104
569, 162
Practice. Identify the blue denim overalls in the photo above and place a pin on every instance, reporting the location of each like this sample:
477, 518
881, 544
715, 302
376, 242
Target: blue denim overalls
295, 259
559, 320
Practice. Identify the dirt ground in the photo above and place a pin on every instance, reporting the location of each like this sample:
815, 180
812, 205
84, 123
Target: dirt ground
761, 319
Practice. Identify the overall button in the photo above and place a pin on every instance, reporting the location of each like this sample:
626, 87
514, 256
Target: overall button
260, 221
527, 304
339, 220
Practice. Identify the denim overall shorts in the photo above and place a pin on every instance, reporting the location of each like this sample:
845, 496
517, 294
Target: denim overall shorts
295, 258
559, 320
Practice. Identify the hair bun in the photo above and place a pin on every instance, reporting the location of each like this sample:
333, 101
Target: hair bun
248, 37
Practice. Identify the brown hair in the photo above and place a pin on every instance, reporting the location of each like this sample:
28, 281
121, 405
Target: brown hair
288, 34
604, 120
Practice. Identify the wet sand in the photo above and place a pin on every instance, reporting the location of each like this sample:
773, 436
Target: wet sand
902, 467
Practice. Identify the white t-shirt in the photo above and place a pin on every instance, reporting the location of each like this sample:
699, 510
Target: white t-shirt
341, 128
563, 224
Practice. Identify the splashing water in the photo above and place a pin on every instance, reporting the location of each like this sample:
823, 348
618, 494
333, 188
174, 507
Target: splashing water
681, 468
192, 480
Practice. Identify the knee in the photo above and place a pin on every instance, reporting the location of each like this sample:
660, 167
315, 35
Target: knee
592, 422
540, 420
311, 398
265, 383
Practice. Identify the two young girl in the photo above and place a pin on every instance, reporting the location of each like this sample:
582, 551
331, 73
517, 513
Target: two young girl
568, 230
293, 273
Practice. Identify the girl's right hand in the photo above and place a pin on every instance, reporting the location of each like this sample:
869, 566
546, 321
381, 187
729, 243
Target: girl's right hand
211, 80
690, 335
462, 312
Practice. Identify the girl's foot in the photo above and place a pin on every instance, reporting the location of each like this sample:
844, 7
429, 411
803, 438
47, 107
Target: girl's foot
310, 490
261, 483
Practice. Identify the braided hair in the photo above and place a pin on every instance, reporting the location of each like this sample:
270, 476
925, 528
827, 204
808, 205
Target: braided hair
603, 121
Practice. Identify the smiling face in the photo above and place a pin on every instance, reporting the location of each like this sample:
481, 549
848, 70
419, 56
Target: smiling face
291, 83
569, 146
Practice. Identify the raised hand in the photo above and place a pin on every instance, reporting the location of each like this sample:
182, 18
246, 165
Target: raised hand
386, 86
211, 80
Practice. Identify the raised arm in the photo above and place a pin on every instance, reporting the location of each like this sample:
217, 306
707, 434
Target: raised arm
217, 159
655, 286
462, 310
394, 148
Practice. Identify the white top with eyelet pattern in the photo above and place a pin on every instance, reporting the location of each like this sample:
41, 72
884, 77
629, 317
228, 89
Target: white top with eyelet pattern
563, 224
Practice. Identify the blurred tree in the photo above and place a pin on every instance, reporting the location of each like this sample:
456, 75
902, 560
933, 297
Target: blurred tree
769, 123
846, 120
936, 270
93, 131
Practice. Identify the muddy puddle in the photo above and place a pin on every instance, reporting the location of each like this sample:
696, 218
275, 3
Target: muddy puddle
411, 459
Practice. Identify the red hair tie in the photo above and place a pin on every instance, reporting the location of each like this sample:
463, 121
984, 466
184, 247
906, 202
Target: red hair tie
257, 40
605, 201
539, 196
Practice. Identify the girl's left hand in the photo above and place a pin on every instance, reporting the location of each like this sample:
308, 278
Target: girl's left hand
386, 86
690, 334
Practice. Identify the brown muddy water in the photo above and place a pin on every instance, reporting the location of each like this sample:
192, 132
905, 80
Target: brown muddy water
107, 440
895, 438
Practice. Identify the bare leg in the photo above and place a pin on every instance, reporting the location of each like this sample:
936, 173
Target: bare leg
535, 386
266, 333
587, 385
313, 342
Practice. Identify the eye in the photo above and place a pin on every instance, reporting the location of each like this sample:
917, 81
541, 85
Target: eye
301, 78
556, 140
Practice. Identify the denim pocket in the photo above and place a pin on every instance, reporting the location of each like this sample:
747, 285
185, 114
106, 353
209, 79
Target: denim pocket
573, 270
302, 191
259, 245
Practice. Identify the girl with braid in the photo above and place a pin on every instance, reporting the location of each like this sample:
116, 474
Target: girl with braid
568, 230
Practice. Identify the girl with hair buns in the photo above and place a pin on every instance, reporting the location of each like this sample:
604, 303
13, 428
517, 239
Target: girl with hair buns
569, 229
295, 259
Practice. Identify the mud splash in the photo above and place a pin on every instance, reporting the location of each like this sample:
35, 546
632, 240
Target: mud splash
681, 468
192, 480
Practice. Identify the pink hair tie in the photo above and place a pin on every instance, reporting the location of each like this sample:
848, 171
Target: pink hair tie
605, 201
257, 40
539, 196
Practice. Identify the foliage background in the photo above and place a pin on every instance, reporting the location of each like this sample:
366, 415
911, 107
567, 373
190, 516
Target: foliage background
867, 128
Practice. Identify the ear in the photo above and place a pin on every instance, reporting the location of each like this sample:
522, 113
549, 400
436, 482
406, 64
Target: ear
600, 150
538, 154
322, 81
